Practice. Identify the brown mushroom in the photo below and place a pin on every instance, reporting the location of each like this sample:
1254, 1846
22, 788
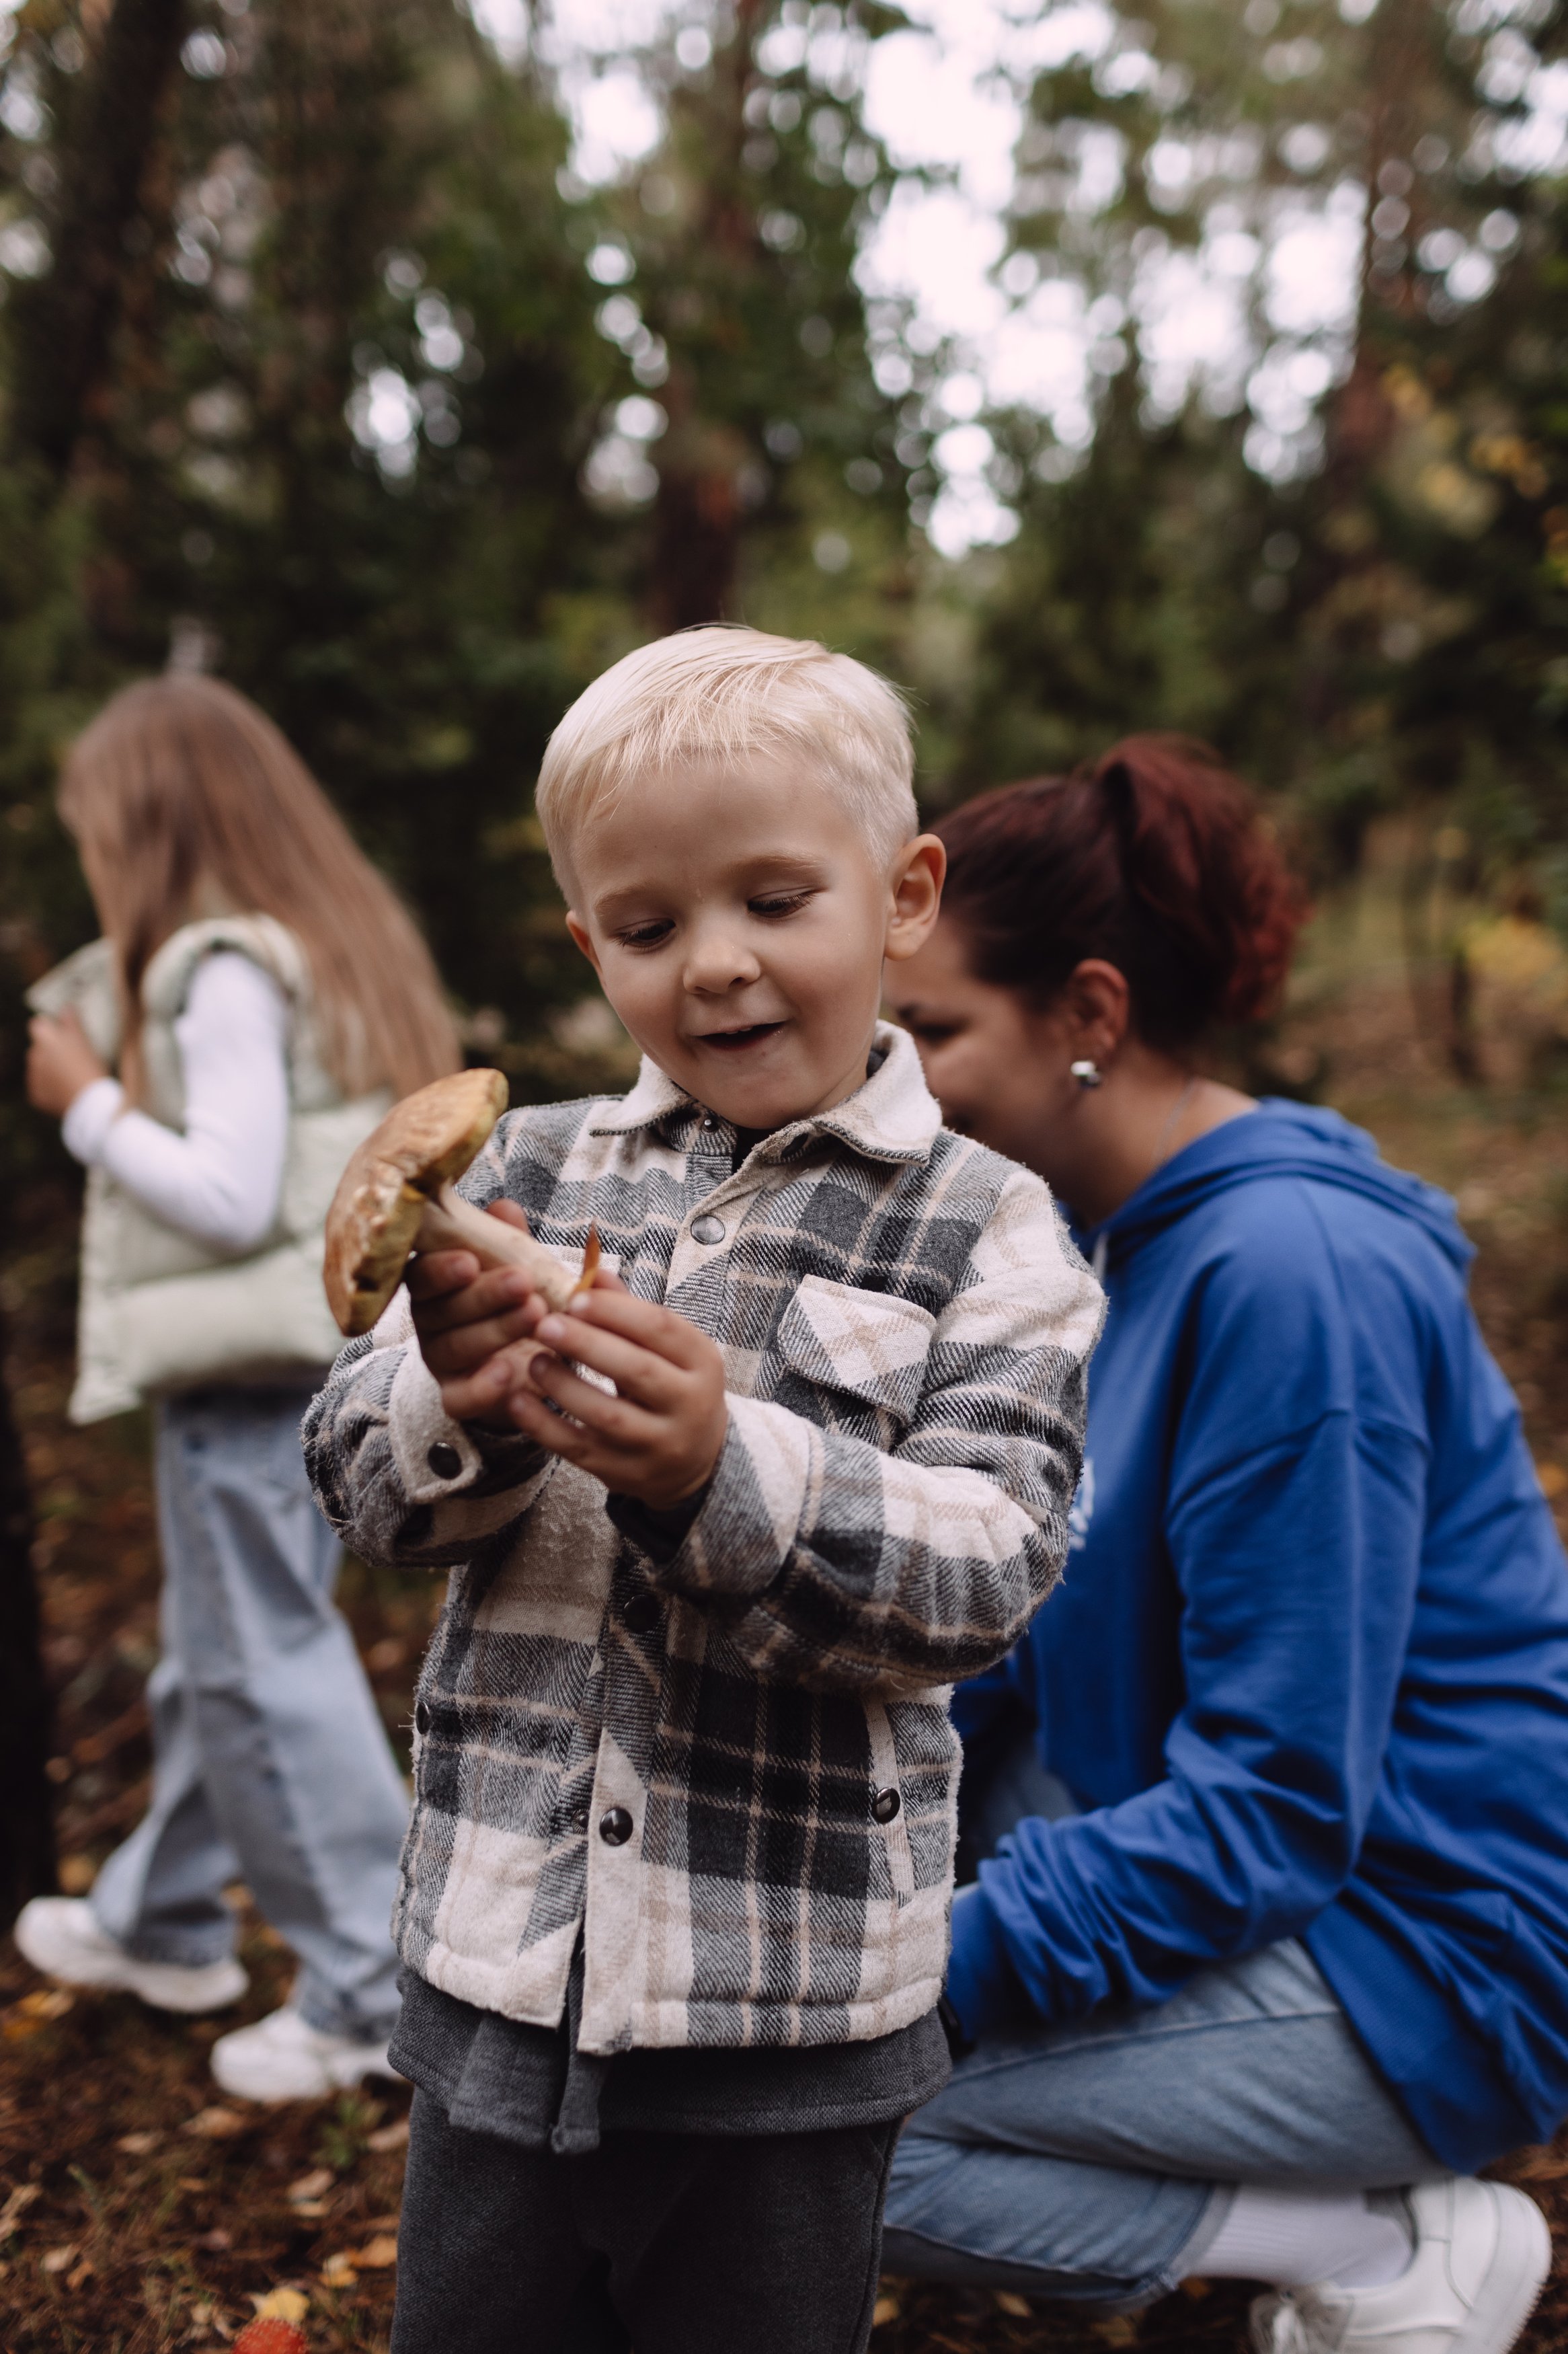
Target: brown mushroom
396, 1196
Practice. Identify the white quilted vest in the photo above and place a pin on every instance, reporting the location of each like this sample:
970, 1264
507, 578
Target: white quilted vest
160, 1311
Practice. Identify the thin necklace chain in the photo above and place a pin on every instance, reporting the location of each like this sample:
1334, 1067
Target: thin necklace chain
1161, 1155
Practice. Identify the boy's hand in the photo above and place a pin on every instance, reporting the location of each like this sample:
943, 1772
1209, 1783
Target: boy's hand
659, 1437
469, 1321
60, 1063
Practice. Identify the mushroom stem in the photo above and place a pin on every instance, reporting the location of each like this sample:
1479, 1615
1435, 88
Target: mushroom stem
449, 1223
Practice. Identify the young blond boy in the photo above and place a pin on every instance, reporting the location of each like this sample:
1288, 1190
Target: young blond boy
675, 1900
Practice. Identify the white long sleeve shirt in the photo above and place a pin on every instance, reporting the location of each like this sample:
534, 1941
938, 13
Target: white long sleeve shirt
221, 1180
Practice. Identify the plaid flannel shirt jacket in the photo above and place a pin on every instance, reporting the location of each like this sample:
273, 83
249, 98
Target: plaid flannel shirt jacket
725, 1749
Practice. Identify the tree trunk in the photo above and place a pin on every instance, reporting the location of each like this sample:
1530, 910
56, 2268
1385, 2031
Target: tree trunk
27, 1828
65, 324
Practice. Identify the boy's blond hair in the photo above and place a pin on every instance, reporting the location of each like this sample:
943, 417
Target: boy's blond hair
732, 693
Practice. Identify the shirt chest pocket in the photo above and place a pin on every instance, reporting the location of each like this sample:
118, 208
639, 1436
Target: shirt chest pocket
864, 1349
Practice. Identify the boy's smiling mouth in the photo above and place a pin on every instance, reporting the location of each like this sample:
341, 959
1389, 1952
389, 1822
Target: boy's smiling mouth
753, 1034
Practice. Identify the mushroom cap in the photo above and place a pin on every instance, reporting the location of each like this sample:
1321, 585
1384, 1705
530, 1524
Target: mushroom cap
423, 1144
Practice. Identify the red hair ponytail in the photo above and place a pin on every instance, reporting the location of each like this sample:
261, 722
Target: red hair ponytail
1154, 859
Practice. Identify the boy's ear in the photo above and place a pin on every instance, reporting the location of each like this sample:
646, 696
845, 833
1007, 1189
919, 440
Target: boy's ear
915, 890
583, 937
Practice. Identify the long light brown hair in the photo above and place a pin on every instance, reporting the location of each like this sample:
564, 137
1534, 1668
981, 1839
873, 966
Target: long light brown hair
185, 801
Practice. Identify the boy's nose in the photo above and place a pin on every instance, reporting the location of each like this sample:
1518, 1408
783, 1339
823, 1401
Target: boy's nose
717, 963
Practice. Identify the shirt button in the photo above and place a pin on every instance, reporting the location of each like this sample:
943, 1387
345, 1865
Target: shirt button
444, 1460
885, 1806
709, 1121
422, 1716
707, 1230
614, 1828
643, 1613
577, 1821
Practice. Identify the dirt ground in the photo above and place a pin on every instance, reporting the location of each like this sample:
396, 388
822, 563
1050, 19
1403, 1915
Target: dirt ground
140, 2211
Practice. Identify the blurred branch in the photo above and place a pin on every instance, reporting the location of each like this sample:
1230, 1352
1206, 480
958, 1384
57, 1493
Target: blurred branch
64, 326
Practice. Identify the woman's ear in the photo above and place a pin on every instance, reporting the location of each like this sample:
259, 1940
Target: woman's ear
583, 937
1098, 1006
916, 891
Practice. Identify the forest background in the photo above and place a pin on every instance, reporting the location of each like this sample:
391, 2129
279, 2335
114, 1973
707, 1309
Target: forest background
405, 366
347, 354
346, 349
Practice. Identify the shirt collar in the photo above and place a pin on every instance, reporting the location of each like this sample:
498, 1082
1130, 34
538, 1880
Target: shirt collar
894, 1117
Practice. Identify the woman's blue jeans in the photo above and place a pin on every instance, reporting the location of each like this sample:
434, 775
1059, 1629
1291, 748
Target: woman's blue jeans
271, 1764
1097, 2161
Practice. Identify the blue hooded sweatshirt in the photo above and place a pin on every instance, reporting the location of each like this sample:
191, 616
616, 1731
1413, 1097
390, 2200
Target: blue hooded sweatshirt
1307, 1675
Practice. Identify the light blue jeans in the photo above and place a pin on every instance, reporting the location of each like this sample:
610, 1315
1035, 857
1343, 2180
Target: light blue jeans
269, 1760
1098, 2161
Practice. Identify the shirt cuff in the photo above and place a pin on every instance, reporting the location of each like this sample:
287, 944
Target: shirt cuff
747, 1519
659, 1536
982, 1986
89, 1117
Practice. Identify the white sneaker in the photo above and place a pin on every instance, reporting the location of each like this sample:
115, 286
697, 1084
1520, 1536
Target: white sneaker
60, 1936
284, 2058
1482, 2255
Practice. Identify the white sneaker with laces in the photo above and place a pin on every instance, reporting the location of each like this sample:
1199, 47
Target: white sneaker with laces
1482, 2255
60, 1937
284, 2058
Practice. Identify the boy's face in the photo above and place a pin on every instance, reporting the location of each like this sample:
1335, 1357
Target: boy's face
738, 918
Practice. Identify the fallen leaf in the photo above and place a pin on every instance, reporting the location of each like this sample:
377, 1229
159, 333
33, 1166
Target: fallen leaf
885, 2310
137, 2144
338, 2271
311, 2185
281, 2305
271, 2336
192, 2182
217, 2124
378, 2253
1019, 2308
1116, 2329
392, 2137
217, 2242
82, 2273
1196, 2287
20, 2199
55, 2259
77, 1874
36, 2011
311, 2211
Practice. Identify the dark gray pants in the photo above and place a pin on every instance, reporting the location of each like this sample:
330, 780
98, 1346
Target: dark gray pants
669, 2244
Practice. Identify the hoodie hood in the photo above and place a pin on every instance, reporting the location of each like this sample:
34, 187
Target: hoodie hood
1280, 1138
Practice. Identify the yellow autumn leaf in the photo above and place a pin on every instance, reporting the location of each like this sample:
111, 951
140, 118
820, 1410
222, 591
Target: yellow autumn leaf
281, 2305
378, 2253
338, 2271
885, 2310
216, 2125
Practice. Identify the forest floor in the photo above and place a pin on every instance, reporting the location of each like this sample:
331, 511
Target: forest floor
140, 2210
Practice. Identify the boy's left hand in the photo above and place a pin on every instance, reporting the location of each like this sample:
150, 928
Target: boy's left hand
659, 1437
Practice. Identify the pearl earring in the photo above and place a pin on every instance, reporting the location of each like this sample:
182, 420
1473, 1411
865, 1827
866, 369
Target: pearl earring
1088, 1074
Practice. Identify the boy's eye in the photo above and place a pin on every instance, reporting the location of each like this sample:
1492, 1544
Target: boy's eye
646, 935
779, 903
932, 1034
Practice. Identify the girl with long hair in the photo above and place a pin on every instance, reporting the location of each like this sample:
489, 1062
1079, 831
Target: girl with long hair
1267, 1952
257, 1000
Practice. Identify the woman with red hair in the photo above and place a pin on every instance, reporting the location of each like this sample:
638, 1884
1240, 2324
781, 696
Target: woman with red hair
1267, 1953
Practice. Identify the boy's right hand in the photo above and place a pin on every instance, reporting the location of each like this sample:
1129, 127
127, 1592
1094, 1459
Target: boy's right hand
473, 1328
